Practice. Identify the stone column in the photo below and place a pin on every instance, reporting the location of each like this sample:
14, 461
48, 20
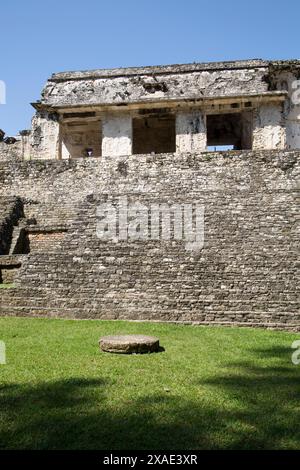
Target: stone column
64, 155
191, 132
268, 128
116, 135
26, 147
44, 138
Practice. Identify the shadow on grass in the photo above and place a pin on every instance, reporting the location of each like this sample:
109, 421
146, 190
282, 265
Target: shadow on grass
249, 407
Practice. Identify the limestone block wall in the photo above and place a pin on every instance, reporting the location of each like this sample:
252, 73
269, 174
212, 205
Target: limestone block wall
11, 151
64, 183
245, 273
43, 241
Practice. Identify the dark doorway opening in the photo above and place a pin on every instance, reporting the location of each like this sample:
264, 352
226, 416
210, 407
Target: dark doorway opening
230, 131
154, 134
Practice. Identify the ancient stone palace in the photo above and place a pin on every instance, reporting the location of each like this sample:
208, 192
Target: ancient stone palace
225, 136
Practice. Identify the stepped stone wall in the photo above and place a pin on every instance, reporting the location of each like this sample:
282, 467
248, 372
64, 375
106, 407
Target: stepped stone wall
245, 274
67, 182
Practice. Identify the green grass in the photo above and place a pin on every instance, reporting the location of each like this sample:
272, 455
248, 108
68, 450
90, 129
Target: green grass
7, 286
212, 388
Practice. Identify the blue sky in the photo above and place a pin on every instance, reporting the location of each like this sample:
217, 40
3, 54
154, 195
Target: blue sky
38, 38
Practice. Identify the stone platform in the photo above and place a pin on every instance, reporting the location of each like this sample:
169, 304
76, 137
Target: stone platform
129, 344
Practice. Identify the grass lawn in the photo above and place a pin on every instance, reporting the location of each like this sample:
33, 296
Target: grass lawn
212, 388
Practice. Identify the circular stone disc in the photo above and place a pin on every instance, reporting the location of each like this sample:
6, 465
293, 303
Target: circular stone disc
129, 344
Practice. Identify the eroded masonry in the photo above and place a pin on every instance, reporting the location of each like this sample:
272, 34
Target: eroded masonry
226, 135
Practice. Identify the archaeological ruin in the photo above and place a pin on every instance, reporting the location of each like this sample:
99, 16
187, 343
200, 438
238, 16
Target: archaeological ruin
223, 136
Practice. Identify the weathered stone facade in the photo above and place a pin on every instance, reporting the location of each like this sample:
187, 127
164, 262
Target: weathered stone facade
245, 272
11, 151
251, 105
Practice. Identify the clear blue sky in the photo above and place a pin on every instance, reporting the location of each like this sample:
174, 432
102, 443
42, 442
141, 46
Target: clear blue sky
38, 38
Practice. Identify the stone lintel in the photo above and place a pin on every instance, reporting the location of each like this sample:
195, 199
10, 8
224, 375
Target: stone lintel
207, 101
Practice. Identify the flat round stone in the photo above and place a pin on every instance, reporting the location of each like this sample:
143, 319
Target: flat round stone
129, 344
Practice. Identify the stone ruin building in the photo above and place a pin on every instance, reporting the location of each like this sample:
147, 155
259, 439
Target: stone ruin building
226, 135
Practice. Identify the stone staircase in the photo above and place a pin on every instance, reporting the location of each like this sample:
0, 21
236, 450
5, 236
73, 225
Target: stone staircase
11, 210
245, 274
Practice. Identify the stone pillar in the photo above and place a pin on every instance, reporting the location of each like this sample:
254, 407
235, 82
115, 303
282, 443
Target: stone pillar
116, 135
287, 79
45, 136
269, 132
247, 130
191, 132
64, 151
26, 147
292, 112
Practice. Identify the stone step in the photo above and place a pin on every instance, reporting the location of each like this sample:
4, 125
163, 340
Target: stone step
261, 319
153, 296
150, 308
177, 285
149, 299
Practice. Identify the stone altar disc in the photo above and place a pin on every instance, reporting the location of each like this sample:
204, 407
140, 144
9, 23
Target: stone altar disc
129, 344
